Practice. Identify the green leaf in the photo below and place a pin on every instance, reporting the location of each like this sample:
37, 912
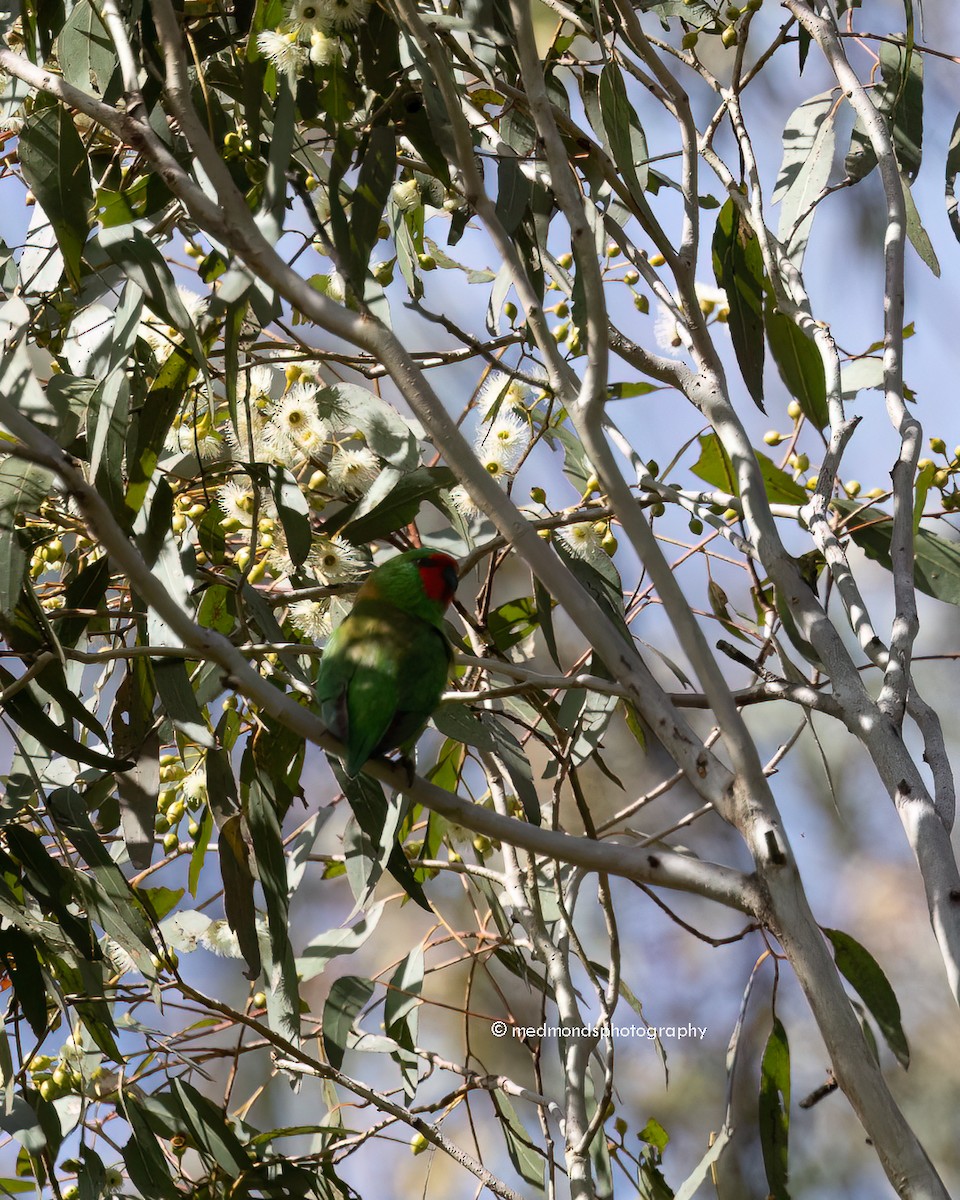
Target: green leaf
799, 363
738, 267
384, 430
401, 506
808, 145
691, 1185
293, 510
85, 50
525, 1156
54, 164
18, 955
23, 488
335, 942
107, 420
513, 621
346, 998
162, 900
860, 374
936, 563
199, 853
209, 1131
951, 170
29, 716
178, 699
272, 870
144, 1160
377, 170
774, 1110
143, 263
370, 807
654, 1134
514, 190
864, 974
135, 736
234, 857
628, 391
898, 97
401, 1012
624, 132
218, 609
111, 901
919, 238
151, 423
24, 1125
714, 467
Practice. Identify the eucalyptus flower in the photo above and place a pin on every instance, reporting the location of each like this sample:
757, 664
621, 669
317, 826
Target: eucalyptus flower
351, 472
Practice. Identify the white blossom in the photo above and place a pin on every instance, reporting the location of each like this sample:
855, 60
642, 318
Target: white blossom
582, 540
406, 194
311, 618
343, 14
256, 384
219, 938
282, 50
334, 560
351, 472
511, 394
236, 500
511, 433
295, 422
303, 17
324, 50
463, 502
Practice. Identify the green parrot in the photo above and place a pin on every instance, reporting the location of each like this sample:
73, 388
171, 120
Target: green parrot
387, 662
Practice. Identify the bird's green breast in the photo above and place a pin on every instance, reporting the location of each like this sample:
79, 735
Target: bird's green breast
382, 675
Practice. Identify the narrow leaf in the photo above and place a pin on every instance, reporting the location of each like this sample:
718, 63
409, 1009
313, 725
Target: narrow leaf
623, 129
738, 267
864, 974
54, 164
808, 145
936, 562
951, 171
271, 867
799, 363
919, 238
774, 1110
347, 997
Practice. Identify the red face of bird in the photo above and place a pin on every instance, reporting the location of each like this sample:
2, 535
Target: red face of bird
438, 574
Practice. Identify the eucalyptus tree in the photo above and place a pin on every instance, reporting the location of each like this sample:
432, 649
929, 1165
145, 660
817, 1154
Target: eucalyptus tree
288, 289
